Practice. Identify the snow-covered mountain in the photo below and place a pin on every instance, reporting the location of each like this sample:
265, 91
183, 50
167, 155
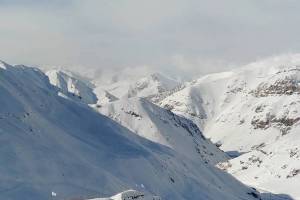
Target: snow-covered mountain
253, 114
164, 127
149, 86
57, 148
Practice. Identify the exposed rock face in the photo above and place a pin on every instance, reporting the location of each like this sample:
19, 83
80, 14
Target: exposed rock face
293, 173
283, 123
286, 86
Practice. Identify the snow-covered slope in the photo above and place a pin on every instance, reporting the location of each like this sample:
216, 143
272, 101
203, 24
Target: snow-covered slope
57, 148
129, 195
198, 100
69, 83
252, 111
163, 127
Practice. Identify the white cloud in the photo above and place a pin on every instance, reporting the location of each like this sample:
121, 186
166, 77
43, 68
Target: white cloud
195, 36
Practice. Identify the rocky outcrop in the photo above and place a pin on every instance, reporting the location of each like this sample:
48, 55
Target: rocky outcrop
284, 124
285, 86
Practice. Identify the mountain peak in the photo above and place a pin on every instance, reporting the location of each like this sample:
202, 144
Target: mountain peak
152, 84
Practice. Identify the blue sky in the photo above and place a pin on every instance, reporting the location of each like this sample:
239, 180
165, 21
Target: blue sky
170, 35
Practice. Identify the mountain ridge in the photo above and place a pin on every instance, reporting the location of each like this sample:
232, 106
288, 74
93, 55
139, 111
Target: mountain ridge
56, 147
251, 113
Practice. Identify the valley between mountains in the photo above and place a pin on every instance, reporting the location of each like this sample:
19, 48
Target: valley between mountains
229, 136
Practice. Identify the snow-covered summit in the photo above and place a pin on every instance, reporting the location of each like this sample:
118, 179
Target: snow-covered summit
148, 86
151, 85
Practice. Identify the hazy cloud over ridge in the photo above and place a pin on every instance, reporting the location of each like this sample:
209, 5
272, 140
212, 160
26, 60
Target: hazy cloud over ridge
193, 36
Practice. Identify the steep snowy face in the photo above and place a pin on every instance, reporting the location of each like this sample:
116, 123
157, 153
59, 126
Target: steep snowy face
163, 127
198, 100
69, 84
253, 111
57, 148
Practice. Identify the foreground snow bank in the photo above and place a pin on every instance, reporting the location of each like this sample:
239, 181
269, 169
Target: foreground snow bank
130, 194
